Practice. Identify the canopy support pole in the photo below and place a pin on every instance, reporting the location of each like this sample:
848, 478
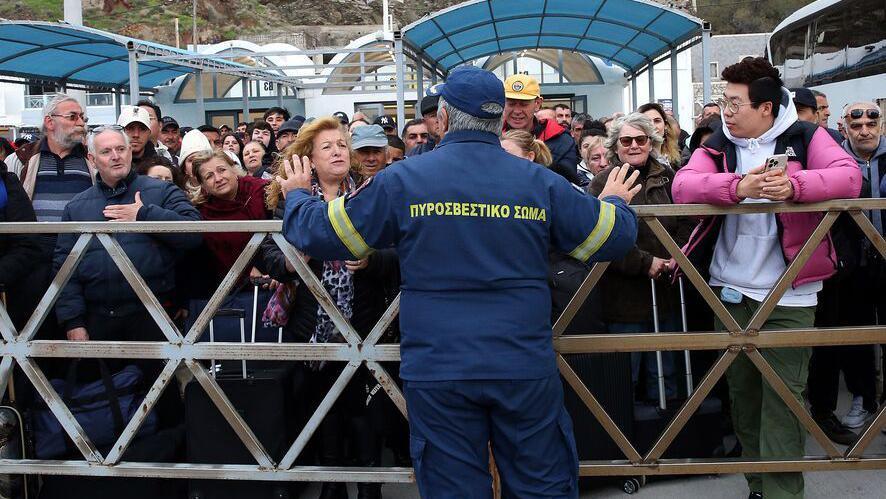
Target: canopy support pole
635, 100
201, 110
401, 77
705, 62
434, 75
133, 74
420, 88
651, 73
675, 101
245, 84
279, 95
118, 98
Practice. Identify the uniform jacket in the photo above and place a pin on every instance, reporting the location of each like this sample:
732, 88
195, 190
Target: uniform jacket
818, 168
472, 226
98, 286
628, 276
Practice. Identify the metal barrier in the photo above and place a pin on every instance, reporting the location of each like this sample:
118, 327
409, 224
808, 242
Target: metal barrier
21, 347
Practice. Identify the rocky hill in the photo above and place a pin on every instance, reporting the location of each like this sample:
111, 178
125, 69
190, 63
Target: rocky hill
267, 20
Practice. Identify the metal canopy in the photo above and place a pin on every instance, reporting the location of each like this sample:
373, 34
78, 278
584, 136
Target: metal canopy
630, 33
64, 53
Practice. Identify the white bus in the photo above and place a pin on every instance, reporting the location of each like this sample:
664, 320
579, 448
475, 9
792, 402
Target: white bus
837, 47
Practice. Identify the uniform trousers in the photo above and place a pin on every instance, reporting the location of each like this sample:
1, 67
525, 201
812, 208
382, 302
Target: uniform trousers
451, 424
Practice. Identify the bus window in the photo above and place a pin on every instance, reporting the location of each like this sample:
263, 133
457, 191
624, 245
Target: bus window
829, 41
789, 52
866, 38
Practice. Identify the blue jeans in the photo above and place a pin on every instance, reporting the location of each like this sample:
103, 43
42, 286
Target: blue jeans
647, 359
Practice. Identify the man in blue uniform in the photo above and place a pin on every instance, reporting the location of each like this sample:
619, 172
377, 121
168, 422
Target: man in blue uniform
472, 226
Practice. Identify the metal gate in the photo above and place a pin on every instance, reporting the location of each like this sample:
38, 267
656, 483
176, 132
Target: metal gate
183, 348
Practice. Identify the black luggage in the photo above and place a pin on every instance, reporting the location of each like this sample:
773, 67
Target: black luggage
267, 395
606, 375
164, 446
701, 437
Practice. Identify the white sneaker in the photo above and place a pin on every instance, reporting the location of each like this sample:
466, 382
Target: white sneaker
857, 415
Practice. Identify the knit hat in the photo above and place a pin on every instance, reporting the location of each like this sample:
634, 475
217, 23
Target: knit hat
193, 141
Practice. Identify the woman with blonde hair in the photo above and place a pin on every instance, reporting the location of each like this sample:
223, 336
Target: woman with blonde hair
224, 192
523, 144
358, 289
668, 152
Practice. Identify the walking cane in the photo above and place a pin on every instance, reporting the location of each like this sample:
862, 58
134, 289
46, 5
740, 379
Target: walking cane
689, 387
662, 404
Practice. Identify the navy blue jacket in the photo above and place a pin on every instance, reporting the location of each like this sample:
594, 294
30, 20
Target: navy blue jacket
472, 225
98, 286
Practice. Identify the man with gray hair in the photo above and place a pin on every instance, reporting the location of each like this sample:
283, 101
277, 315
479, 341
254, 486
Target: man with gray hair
98, 303
472, 226
53, 171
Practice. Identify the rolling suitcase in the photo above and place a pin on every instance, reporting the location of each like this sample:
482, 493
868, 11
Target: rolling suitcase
702, 437
606, 375
267, 396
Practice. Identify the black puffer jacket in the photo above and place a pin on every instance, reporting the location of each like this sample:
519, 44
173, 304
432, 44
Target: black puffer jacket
18, 252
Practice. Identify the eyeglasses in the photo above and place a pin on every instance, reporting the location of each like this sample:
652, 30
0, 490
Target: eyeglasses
858, 113
102, 128
732, 106
72, 117
641, 140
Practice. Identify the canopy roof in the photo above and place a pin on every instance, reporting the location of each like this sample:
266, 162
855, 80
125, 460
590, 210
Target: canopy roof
630, 33
65, 53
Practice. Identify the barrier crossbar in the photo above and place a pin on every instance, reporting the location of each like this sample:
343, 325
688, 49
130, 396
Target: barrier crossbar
182, 348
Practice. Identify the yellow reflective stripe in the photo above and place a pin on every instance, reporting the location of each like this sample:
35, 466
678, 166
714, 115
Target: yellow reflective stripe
345, 230
597, 237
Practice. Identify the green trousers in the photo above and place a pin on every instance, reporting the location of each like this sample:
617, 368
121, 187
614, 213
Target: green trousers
763, 423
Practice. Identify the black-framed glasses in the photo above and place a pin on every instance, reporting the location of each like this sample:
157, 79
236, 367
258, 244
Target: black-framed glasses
73, 117
641, 140
858, 113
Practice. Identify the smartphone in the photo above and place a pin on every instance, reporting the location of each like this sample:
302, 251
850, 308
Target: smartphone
775, 163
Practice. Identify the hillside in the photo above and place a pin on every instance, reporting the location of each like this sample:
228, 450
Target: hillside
220, 20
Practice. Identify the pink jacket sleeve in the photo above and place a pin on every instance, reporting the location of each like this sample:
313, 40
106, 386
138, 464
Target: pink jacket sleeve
700, 181
830, 172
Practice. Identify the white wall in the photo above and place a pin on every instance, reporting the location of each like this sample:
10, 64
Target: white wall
662, 86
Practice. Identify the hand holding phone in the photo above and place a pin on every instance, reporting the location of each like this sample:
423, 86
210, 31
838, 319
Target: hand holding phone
776, 163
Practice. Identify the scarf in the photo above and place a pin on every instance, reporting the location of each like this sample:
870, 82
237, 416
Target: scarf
338, 281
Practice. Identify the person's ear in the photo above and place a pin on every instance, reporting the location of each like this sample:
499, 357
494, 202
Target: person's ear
530, 155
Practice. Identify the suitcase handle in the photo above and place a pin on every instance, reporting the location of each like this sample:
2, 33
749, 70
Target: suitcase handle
231, 312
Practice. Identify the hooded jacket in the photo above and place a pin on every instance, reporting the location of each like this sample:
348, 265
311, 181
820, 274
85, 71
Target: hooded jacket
819, 170
873, 169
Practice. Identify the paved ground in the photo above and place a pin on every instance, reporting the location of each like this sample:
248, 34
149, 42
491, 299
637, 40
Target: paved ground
845, 485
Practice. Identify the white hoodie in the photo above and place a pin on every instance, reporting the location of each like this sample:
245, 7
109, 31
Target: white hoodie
748, 256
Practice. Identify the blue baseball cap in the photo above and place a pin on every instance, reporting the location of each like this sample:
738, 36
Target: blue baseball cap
475, 91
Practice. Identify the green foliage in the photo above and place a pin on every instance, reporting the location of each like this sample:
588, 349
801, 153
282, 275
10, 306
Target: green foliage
746, 16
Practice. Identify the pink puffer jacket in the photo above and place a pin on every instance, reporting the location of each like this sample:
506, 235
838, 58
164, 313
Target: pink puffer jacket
830, 173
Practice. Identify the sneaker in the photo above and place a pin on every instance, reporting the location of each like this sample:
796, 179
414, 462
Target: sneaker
857, 415
836, 431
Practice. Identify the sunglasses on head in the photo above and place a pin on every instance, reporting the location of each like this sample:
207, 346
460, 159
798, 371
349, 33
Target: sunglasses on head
641, 140
858, 113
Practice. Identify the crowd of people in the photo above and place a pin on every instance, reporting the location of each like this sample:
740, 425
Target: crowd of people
148, 168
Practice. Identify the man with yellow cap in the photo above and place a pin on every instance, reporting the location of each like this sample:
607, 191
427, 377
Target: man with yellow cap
522, 100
